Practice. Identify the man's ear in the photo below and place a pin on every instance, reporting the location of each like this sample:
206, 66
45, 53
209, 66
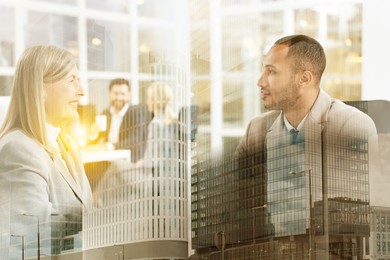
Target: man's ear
306, 78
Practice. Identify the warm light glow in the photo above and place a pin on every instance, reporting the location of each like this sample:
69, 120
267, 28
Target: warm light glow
140, 2
96, 41
80, 135
101, 122
143, 48
303, 23
348, 42
357, 59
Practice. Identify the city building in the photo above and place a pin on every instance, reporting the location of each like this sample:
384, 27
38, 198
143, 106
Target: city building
141, 212
211, 51
378, 246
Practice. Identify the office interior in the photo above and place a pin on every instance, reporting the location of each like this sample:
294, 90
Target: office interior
211, 53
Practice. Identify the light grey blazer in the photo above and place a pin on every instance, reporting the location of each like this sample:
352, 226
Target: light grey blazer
336, 123
336, 141
34, 183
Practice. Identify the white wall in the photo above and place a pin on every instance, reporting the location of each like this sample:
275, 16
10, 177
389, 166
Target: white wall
376, 50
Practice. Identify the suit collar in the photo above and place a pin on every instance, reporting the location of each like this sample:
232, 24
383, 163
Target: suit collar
70, 172
122, 112
320, 109
317, 115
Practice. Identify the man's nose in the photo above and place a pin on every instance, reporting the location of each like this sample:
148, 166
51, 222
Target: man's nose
261, 81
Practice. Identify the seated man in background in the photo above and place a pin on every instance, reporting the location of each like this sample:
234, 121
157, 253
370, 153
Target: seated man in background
127, 125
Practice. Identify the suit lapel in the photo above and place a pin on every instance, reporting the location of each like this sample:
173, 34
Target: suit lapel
315, 132
63, 170
68, 171
107, 113
274, 133
320, 110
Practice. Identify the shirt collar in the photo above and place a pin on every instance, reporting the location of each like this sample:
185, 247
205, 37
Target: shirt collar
290, 127
52, 134
122, 112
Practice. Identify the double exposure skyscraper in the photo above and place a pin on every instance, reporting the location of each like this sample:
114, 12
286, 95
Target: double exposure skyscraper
309, 200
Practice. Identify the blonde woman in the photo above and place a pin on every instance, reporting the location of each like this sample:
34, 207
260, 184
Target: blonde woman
163, 134
41, 175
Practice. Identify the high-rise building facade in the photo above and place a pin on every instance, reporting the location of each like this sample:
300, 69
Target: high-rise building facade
310, 200
225, 40
141, 210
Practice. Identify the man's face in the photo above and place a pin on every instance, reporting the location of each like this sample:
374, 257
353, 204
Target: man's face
119, 96
278, 81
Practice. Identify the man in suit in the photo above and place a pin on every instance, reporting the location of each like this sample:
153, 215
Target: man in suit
127, 125
307, 133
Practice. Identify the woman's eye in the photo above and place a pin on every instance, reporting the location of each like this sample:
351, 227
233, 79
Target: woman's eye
73, 79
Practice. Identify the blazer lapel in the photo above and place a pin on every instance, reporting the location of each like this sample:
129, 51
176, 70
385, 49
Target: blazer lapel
275, 132
66, 173
320, 110
315, 131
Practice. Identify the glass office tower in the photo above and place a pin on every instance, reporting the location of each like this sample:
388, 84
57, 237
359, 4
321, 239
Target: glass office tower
237, 211
306, 196
222, 42
143, 42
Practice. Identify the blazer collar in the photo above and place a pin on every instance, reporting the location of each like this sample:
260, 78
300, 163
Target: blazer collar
72, 180
320, 110
317, 115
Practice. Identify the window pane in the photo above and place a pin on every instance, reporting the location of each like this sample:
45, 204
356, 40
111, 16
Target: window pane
67, 2
7, 37
59, 30
156, 46
154, 8
109, 5
5, 85
108, 46
99, 94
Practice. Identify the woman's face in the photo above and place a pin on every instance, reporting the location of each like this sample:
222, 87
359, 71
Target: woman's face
62, 98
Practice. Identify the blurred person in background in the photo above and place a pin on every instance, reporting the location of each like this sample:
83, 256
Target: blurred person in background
163, 134
41, 173
126, 124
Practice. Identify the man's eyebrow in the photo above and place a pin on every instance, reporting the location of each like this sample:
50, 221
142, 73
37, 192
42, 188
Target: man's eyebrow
268, 66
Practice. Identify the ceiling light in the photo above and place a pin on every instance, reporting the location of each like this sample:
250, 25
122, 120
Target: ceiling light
348, 42
96, 41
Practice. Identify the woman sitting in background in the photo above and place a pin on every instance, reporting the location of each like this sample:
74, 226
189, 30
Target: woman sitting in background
162, 148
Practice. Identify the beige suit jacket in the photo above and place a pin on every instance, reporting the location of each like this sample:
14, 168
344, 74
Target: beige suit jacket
34, 183
336, 141
330, 121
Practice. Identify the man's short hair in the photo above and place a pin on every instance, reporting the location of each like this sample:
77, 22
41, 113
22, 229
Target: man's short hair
306, 52
119, 81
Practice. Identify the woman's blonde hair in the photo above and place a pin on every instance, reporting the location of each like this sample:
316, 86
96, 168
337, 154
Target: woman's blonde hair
161, 94
38, 65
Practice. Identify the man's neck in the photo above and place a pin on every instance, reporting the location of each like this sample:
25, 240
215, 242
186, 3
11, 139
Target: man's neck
295, 117
115, 111
301, 108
